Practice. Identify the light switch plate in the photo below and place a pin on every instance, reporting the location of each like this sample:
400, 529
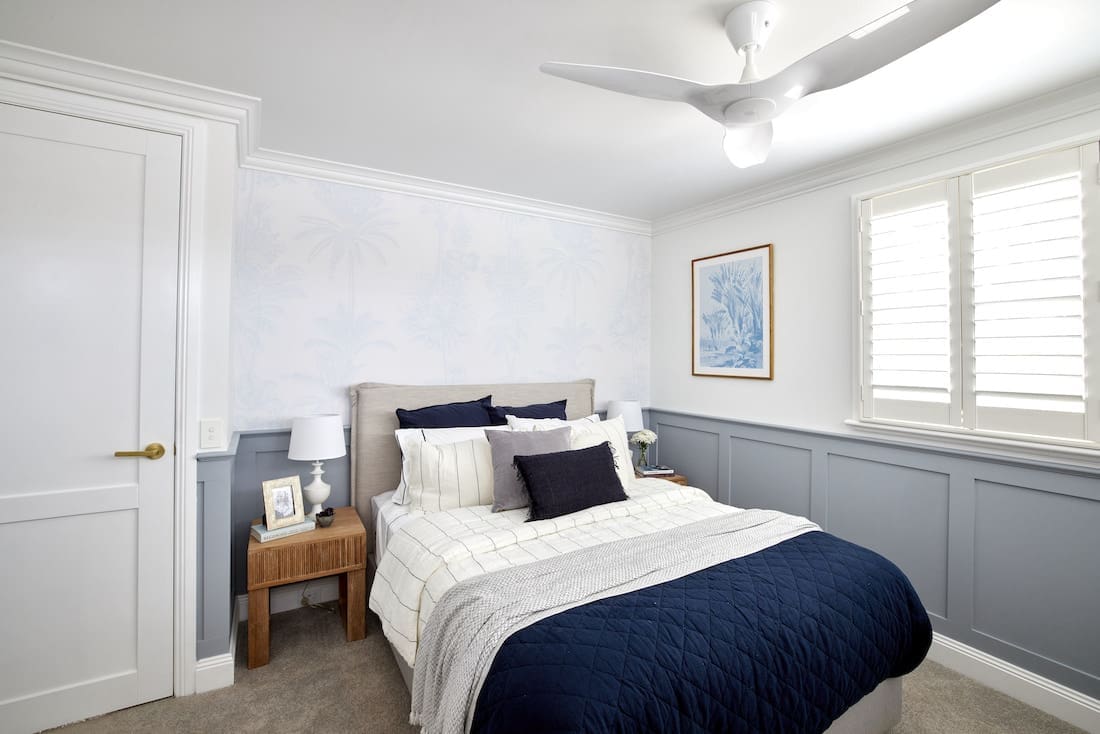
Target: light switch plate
211, 433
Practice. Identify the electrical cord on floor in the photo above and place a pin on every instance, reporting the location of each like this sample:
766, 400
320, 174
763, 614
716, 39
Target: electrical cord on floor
328, 606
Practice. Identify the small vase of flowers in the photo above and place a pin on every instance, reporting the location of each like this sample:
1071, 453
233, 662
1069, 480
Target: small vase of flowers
643, 440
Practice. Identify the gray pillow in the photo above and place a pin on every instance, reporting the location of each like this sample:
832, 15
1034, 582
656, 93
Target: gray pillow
508, 490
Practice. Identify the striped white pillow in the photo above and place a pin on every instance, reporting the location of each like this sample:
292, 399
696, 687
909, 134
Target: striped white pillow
449, 476
408, 436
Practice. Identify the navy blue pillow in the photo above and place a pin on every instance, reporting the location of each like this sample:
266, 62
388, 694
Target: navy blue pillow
570, 481
499, 413
447, 415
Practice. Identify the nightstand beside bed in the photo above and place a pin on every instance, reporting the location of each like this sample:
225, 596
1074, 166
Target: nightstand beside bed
338, 549
677, 478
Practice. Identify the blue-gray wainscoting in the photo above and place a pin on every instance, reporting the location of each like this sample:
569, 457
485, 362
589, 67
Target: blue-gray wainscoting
1005, 553
230, 497
261, 455
214, 604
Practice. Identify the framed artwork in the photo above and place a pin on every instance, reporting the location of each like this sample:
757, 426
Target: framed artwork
283, 502
731, 314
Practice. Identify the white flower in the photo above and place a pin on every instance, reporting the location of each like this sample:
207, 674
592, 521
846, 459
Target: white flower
644, 437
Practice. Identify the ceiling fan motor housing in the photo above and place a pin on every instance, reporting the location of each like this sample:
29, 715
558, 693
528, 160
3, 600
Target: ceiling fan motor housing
750, 111
750, 24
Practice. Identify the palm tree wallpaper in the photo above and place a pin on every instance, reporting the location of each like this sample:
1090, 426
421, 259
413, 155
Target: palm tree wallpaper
335, 284
732, 319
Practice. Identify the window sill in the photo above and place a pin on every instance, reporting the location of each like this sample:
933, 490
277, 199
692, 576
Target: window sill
1002, 448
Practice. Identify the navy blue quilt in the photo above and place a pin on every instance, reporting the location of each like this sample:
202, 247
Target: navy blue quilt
783, 640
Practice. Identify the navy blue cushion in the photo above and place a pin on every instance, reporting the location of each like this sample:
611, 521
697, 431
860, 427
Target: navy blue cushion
569, 481
447, 415
499, 413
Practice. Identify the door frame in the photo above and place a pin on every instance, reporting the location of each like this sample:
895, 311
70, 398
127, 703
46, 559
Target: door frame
210, 124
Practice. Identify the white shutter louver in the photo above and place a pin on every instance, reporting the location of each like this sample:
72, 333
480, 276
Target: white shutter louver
1028, 303
907, 303
980, 302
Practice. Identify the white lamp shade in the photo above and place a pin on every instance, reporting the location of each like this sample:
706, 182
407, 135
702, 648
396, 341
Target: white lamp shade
631, 412
316, 438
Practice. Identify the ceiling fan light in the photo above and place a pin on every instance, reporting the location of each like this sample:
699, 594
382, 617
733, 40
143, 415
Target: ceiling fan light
747, 145
874, 25
794, 92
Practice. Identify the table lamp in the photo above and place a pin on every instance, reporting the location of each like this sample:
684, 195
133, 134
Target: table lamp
316, 438
631, 412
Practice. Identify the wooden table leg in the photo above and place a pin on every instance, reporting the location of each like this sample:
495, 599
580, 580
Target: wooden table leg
357, 604
259, 628
342, 604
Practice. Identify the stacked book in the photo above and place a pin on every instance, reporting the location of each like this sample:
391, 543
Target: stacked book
261, 533
655, 470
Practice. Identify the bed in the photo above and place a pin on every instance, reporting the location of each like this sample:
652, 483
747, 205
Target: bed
540, 652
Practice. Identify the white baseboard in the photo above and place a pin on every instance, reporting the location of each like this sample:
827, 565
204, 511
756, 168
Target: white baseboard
289, 597
214, 672
1042, 693
217, 671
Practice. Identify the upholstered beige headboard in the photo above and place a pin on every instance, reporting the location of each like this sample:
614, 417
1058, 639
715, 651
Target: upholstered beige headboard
375, 456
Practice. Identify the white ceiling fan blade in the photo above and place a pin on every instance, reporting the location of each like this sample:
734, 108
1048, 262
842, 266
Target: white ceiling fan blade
871, 47
748, 145
627, 81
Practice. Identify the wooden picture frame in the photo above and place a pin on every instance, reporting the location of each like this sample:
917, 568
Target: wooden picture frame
283, 502
731, 314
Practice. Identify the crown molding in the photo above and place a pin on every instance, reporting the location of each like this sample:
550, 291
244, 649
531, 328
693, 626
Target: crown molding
1052, 107
45, 68
264, 159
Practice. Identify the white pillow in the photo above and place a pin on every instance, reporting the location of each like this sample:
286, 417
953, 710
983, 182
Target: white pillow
547, 424
437, 436
613, 431
449, 476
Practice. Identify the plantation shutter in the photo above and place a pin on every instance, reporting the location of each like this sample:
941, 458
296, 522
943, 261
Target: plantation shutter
1028, 307
907, 303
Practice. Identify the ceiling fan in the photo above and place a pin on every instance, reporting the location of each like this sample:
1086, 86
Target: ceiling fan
746, 108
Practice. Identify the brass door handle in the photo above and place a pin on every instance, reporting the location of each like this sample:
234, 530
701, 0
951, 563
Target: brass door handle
152, 451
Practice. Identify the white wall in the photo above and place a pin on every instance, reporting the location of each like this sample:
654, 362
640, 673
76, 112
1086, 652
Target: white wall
211, 264
336, 284
811, 266
814, 260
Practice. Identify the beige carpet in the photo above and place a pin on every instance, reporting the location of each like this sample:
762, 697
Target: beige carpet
317, 682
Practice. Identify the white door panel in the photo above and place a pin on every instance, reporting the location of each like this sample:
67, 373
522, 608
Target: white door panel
89, 230
99, 584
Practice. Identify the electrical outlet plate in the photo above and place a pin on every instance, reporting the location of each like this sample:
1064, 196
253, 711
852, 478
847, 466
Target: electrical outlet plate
211, 433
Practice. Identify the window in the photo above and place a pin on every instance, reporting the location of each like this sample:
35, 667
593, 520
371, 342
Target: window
980, 302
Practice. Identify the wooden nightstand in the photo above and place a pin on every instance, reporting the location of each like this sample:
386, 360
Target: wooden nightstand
678, 478
340, 548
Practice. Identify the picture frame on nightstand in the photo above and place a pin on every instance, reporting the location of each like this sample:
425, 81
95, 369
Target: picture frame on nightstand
283, 502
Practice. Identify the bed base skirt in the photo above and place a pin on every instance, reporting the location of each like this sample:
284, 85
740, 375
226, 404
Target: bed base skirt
406, 671
875, 713
878, 711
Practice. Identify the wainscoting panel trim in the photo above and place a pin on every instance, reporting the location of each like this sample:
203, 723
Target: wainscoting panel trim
213, 603
920, 507
262, 455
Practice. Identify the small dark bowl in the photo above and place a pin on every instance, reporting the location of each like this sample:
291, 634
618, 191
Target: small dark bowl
324, 520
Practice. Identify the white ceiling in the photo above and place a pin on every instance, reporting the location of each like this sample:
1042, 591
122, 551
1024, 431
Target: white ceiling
451, 91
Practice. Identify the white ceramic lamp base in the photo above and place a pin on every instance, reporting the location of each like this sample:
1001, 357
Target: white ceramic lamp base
317, 491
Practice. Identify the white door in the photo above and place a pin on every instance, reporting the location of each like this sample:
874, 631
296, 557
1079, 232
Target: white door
89, 243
